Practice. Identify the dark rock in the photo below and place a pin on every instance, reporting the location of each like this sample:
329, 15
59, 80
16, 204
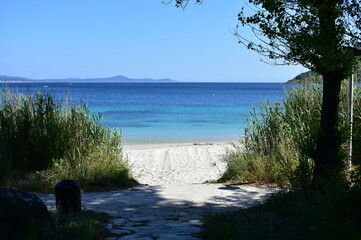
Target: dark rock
24, 216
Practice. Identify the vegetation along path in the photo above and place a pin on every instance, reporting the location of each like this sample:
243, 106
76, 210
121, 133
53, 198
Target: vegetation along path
173, 197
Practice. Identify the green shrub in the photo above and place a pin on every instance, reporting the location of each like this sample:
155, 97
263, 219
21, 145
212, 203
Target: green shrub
278, 146
292, 215
44, 141
280, 138
249, 167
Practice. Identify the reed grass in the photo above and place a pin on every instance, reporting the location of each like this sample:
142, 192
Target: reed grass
44, 140
278, 145
280, 138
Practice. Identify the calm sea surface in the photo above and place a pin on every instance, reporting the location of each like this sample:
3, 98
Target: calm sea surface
168, 111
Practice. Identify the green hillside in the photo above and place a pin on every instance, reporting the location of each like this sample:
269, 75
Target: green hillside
312, 77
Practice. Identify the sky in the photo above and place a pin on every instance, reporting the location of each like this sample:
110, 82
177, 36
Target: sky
136, 38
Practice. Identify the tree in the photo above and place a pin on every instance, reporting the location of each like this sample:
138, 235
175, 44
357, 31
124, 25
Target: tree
322, 35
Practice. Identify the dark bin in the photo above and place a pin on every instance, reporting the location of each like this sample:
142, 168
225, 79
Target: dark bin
67, 195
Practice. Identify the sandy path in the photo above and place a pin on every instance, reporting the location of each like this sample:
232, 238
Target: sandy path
159, 164
173, 200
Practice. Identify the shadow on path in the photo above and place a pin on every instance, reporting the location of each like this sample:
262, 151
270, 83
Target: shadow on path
174, 211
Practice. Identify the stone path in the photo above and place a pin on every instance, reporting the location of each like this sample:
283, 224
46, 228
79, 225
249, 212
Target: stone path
165, 212
174, 202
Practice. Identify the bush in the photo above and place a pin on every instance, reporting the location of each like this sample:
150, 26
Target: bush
249, 167
280, 138
44, 141
278, 146
292, 215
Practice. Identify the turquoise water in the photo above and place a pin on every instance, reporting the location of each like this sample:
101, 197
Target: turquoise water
169, 111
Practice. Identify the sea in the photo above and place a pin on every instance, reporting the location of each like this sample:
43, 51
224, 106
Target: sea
168, 112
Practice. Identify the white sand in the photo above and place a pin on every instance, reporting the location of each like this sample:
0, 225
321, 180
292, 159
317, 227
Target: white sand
159, 164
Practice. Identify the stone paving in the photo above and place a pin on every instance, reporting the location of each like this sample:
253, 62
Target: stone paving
165, 212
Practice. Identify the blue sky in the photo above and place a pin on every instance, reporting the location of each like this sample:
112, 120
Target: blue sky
136, 38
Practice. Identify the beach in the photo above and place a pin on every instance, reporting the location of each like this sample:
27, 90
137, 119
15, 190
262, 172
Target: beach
177, 163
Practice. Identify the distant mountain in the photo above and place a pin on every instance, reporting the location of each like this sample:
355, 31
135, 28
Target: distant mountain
312, 77
115, 79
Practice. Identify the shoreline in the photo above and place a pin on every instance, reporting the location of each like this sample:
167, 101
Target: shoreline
179, 141
174, 145
177, 145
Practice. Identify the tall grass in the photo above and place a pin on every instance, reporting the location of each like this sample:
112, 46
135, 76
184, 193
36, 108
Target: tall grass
292, 215
278, 146
44, 140
82, 225
280, 138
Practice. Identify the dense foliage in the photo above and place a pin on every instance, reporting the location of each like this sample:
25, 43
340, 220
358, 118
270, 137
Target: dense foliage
323, 36
278, 144
293, 215
43, 141
280, 138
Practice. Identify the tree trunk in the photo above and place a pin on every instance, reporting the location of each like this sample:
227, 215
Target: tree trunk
327, 159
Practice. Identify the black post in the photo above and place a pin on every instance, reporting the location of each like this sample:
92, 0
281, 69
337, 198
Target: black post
67, 195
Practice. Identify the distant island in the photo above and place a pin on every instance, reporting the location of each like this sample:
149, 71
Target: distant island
312, 77
115, 79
